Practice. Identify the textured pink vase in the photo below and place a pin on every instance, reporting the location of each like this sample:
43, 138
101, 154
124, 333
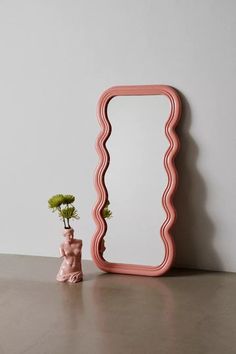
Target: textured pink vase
71, 269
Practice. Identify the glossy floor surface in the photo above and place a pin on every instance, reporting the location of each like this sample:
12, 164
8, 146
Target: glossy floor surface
185, 312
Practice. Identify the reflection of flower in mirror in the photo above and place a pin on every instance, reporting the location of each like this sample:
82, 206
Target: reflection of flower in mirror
106, 212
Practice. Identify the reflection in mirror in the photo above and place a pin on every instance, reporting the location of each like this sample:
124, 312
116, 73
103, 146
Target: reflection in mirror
136, 179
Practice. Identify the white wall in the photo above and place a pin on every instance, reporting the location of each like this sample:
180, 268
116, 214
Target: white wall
58, 56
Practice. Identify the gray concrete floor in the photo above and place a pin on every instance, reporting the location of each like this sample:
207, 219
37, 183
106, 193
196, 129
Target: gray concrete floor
185, 312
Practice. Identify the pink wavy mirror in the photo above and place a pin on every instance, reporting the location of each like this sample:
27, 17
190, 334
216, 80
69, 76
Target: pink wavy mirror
136, 173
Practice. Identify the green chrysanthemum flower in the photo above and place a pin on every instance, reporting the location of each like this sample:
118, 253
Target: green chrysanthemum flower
66, 213
69, 213
68, 199
56, 201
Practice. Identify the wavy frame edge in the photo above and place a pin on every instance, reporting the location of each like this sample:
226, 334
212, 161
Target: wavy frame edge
167, 197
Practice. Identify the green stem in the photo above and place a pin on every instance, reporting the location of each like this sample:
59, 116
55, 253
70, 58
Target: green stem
68, 222
64, 222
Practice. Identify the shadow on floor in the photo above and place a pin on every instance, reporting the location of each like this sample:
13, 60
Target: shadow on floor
194, 230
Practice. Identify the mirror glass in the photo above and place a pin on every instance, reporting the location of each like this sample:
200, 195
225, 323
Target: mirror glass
136, 179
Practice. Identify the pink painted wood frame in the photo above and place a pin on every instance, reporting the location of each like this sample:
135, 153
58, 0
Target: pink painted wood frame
101, 225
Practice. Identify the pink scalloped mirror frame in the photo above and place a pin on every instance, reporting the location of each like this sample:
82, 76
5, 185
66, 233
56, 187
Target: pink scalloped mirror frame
97, 244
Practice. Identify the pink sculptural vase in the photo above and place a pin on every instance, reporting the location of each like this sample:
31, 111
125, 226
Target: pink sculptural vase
71, 269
